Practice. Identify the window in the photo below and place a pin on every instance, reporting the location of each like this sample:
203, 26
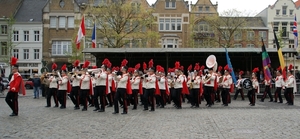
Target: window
52, 22
3, 29
250, 45
26, 36
284, 32
200, 8
185, 19
62, 22
167, 24
16, 36
207, 9
25, 53
284, 23
202, 27
170, 4
202, 43
284, 10
237, 35
170, 43
16, 53
36, 36
89, 22
277, 12
263, 35
36, 54
70, 22
250, 35
4, 50
100, 43
238, 45
61, 47
291, 26
291, 12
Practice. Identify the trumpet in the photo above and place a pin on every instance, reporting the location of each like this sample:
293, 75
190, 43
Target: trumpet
94, 70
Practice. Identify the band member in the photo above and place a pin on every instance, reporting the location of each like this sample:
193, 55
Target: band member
290, 86
195, 91
123, 88
143, 80
101, 87
16, 86
255, 88
52, 87
178, 85
150, 93
226, 84
135, 85
279, 83
64, 86
239, 87
86, 87
111, 85
163, 87
267, 90
208, 81
74, 95
219, 81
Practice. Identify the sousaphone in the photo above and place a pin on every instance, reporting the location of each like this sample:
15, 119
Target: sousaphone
211, 62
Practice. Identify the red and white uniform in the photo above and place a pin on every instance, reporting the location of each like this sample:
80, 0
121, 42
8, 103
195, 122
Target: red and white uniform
63, 84
150, 81
210, 82
135, 82
162, 83
238, 85
291, 83
101, 78
16, 84
53, 82
178, 82
267, 82
197, 81
85, 81
227, 81
75, 81
279, 81
255, 85
122, 80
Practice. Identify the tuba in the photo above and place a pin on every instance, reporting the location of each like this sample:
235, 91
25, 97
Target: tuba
211, 62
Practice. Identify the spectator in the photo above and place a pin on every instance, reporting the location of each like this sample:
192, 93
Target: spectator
43, 85
36, 86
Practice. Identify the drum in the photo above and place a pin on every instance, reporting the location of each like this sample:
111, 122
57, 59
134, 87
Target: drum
246, 83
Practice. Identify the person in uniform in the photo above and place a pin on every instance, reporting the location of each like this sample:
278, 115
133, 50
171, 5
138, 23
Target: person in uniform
123, 89
149, 94
208, 81
74, 95
239, 87
52, 87
195, 91
85, 85
290, 86
64, 87
267, 90
255, 88
111, 85
178, 86
135, 85
279, 83
16, 86
219, 81
163, 86
226, 84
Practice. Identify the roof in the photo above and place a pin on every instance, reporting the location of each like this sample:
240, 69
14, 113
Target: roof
27, 12
253, 22
9, 7
183, 50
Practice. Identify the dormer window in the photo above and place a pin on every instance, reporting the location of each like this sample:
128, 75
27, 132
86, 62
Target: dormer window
200, 8
62, 3
170, 4
207, 8
284, 10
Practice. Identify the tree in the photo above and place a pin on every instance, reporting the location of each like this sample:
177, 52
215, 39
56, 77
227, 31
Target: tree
9, 44
122, 23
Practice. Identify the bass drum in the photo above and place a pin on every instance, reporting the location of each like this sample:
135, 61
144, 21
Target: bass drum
246, 84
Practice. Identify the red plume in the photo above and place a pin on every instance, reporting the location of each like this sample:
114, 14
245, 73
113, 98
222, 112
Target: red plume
64, 67
241, 72
220, 68
197, 67
137, 66
190, 67
54, 66
124, 62
290, 67
279, 68
76, 63
13, 61
144, 66
94, 67
255, 70
202, 67
169, 70
181, 68
117, 68
158, 67
86, 64
108, 65
177, 65
130, 70
150, 64
162, 69
227, 68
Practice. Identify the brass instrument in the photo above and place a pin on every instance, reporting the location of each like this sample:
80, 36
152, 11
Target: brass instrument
191, 85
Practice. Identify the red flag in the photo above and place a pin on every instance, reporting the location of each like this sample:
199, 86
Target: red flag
80, 34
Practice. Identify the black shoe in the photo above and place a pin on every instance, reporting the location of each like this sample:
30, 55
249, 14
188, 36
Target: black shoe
152, 110
243, 99
13, 114
47, 106
84, 109
101, 110
133, 108
62, 107
96, 109
196, 106
76, 108
275, 101
290, 104
145, 109
162, 107
225, 105
179, 107
192, 106
208, 105
262, 100
271, 101
124, 113
252, 105
280, 102
115, 112
91, 105
55, 106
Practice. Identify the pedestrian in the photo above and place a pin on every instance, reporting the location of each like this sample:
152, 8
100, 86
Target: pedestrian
16, 86
36, 86
43, 89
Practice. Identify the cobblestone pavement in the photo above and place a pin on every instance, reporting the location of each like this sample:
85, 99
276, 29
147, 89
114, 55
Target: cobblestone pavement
267, 120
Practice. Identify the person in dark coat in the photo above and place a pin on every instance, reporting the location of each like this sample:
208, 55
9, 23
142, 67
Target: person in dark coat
36, 86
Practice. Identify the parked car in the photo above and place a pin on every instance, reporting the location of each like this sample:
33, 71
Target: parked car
28, 84
5, 82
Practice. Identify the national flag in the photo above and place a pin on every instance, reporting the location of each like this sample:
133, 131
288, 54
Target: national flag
80, 34
230, 67
265, 61
295, 32
94, 37
280, 56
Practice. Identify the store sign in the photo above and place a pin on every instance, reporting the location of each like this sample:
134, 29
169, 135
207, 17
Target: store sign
28, 65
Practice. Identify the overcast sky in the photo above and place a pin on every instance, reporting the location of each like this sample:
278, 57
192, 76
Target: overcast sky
250, 6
